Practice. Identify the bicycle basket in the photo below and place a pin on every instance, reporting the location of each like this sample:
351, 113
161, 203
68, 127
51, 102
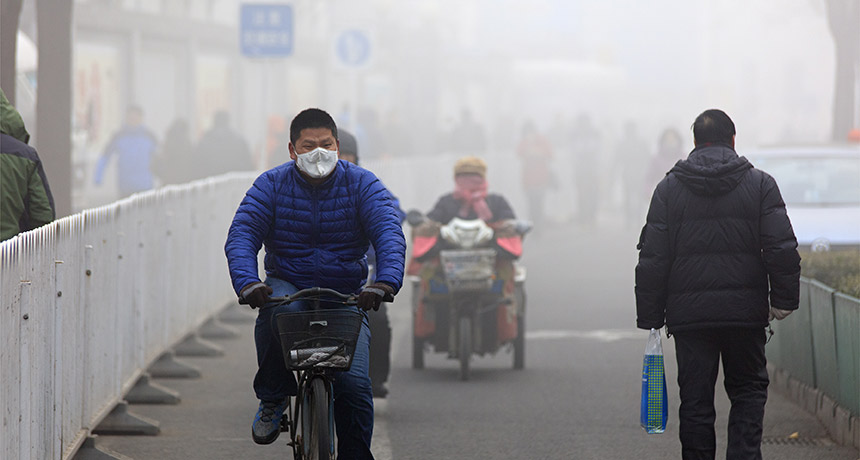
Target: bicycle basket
468, 270
319, 338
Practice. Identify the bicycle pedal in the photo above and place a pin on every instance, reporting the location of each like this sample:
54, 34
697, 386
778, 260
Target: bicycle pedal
285, 426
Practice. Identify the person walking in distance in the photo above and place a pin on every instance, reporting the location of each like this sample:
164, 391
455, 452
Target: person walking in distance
135, 146
717, 261
221, 149
585, 145
536, 155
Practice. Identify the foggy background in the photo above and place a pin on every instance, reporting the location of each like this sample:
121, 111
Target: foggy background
433, 65
602, 82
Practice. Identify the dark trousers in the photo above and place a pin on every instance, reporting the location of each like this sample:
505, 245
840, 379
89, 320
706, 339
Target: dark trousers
745, 379
380, 345
353, 399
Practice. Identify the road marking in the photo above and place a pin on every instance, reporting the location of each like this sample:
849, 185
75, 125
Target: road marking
381, 444
399, 317
601, 335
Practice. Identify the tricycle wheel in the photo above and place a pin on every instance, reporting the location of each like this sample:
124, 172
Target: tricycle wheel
464, 348
520, 342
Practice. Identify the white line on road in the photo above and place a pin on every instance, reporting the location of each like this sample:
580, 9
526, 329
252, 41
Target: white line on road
381, 444
602, 335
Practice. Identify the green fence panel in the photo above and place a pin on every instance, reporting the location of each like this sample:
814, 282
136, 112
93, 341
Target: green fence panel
846, 311
790, 348
824, 338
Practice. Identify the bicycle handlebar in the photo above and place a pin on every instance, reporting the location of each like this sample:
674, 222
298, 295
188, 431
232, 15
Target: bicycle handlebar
348, 299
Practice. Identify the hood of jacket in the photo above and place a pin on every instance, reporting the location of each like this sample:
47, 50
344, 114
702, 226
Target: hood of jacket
10, 120
711, 170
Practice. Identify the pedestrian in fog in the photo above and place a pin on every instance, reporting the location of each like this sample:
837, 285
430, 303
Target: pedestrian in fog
718, 260
134, 145
25, 197
281, 152
175, 162
380, 326
222, 150
586, 150
468, 136
535, 153
369, 133
669, 151
277, 138
631, 160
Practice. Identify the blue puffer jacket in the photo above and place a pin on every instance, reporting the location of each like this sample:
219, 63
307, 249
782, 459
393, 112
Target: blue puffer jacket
316, 235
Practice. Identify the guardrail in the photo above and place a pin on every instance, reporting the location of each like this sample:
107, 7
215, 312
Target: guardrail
90, 301
818, 350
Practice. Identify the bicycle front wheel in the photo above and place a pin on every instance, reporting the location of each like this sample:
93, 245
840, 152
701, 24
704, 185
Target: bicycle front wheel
318, 429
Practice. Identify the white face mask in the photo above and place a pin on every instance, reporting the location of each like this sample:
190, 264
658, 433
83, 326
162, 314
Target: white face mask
317, 163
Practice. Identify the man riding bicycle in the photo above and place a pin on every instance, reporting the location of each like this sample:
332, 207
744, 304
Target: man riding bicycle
316, 216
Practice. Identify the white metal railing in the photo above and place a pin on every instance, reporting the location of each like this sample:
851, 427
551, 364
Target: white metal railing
88, 302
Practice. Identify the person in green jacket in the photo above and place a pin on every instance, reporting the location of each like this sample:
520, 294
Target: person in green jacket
11, 122
25, 197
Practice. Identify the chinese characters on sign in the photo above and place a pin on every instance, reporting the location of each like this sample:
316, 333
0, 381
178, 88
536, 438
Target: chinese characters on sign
266, 30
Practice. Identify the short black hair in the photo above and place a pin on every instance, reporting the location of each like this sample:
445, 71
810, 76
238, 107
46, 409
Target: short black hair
713, 126
311, 118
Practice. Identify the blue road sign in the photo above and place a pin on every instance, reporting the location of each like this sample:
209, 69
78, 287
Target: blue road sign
353, 48
266, 30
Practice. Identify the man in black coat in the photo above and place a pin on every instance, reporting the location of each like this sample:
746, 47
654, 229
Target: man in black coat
718, 260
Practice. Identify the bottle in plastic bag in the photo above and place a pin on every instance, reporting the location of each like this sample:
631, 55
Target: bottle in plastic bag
655, 408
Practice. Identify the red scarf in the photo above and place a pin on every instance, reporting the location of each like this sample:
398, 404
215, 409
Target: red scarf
471, 191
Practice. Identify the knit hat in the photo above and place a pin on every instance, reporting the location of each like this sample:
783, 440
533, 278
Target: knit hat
471, 165
348, 144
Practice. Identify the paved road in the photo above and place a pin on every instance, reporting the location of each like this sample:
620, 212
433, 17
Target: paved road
578, 397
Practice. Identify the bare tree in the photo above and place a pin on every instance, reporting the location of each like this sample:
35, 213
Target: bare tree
843, 16
10, 14
54, 98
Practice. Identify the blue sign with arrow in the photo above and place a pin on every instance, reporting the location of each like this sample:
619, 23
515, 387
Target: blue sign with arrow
353, 48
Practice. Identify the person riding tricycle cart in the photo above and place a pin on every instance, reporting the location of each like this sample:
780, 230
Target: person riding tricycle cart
468, 290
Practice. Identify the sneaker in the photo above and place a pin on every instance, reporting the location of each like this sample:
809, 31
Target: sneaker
267, 423
379, 391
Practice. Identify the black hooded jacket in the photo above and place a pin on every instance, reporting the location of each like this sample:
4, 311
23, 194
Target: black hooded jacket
717, 245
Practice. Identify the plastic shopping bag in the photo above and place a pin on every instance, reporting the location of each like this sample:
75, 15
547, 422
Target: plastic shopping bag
655, 407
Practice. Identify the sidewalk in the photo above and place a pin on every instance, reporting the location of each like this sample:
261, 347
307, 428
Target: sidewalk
213, 420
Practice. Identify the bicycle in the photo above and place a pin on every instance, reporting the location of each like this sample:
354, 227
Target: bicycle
316, 343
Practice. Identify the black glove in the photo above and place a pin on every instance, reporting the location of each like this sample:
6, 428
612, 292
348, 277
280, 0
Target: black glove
256, 295
373, 295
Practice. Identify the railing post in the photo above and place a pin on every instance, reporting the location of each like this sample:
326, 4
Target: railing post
86, 297
24, 360
59, 357
91, 300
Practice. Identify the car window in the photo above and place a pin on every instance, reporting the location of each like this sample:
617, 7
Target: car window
819, 181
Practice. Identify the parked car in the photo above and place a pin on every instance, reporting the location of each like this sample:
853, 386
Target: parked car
821, 189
